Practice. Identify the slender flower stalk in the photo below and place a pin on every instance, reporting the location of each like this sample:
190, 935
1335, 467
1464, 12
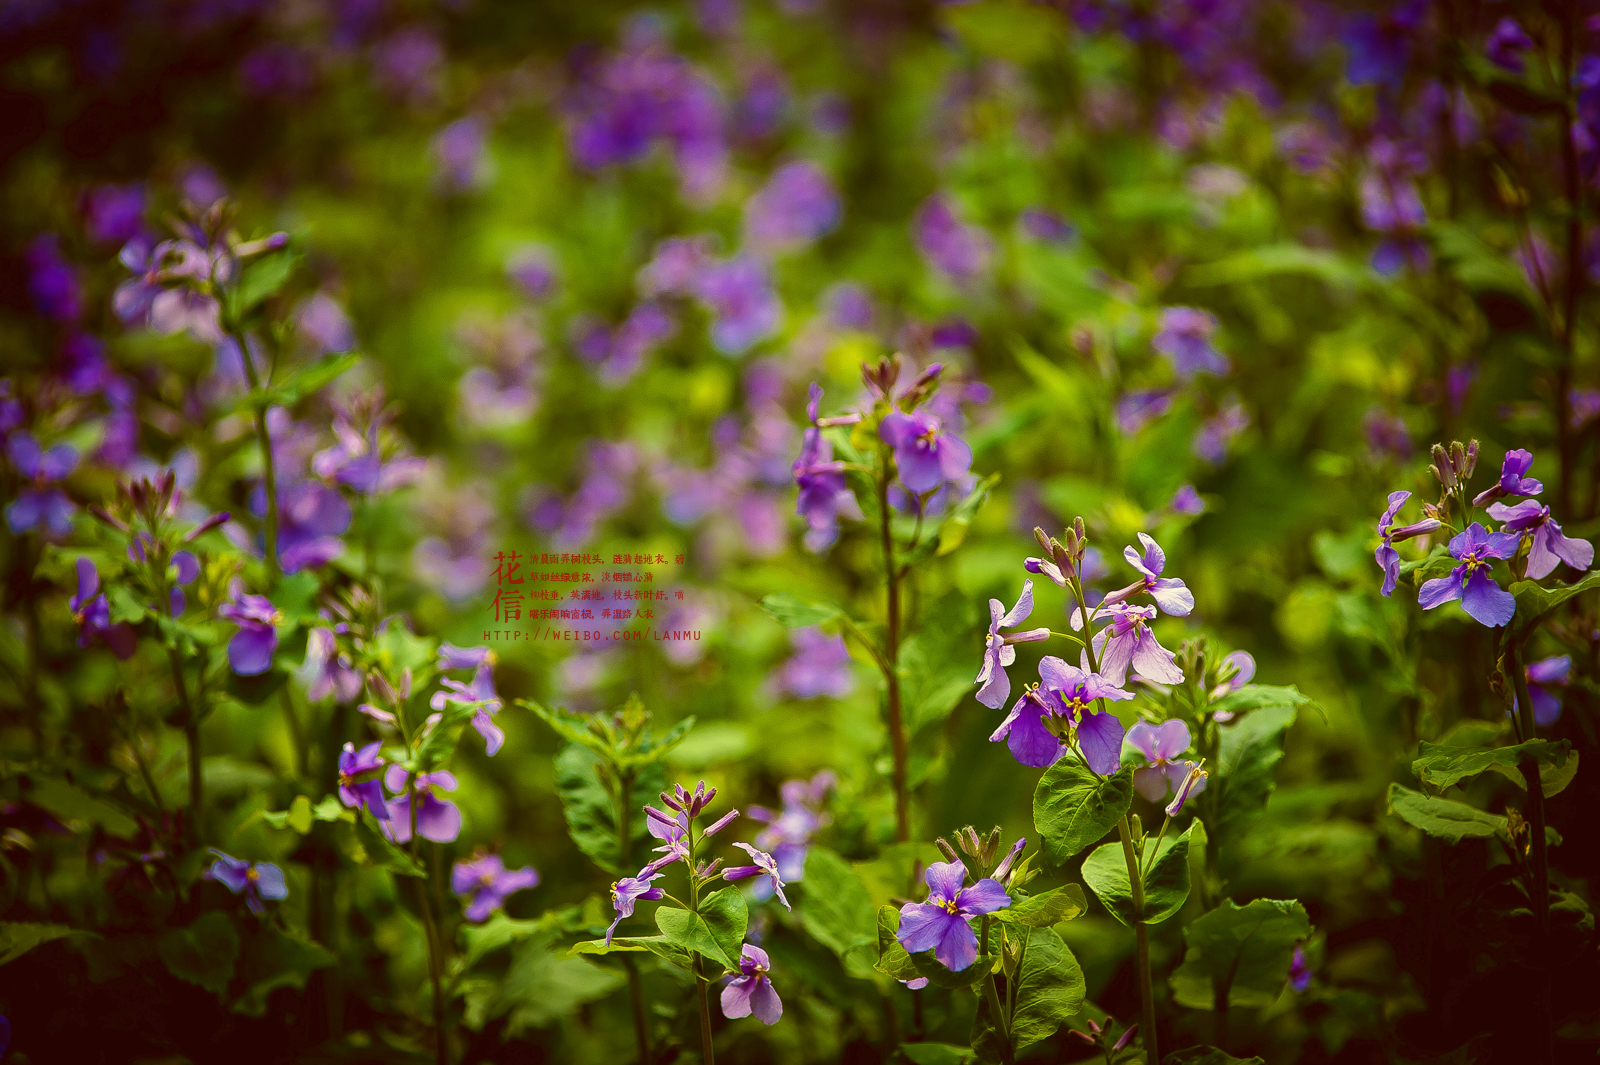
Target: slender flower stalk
264, 440
891, 674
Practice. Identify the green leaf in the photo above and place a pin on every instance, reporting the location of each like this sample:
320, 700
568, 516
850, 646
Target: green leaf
261, 280
1042, 911
1242, 951
308, 379
204, 953
540, 987
1074, 807
834, 905
574, 728
124, 605
372, 847
938, 662
1437, 563
953, 530
1008, 29
1251, 749
590, 810
272, 959
1166, 884
1050, 988
1449, 820
927, 965
660, 946
716, 932
1535, 601
71, 803
791, 613
300, 814
1206, 1056
935, 1053
497, 932
17, 938
892, 957
440, 744
1443, 767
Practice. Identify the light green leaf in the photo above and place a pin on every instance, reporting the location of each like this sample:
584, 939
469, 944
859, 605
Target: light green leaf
1449, 820
1535, 601
1251, 749
204, 953
372, 847
1008, 29
834, 905
309, 379
1050, 988
300, 814
935, 1053
125, 606
261, 280
1042, 911
953, 530
1073, 806
590, 810
717, 931
660, 946
1241, 951
791, 613
892, 957
929, 966
1166, 884
1443, 767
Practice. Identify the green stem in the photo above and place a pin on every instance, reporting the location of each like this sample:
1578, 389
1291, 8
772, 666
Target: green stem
1147, 1004
991, 995
891, 669
707, 1050
1539, 887
641, 1029
431, 932
191, 735
264, 439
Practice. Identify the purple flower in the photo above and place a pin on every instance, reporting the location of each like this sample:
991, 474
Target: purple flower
437, 819
1170, 593
257, 880
765, 865
532, 268
676, 265
41, 505
1549, 544
824, 495
480, 691
1046, 226
673, 832
752, 991
959, 250
1128, 642
1543, 675
1379, 45
1512, 480
92, 611
1387, 435
628, 891
1138, 409
357, 462
1212, 440
1506, 44
114, 214
797, 205
1299, 970
743, 305
1187, 501
1073, 692
820, 666
1236, 670
1030, 740
250, 650
998, 652
1387, 557
924, 457
1193, 783
52, 281
1161, 745
324, 323
327, 670
453, 657
485, 882
847, 306
940, 922
1185, 339
1480, 596
460, 155
356, 792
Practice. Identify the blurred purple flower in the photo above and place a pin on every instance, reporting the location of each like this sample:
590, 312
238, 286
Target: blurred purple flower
1185, 339
114, 214
327, 670
1549, 545
358, 781
39, 503
437, 819
744, 306
820, 666
1236, 670
847, 306
52, 280
1299, 970
940, 923
1187, 501
764, 865
481, 690
998, 652
408, 65
796, 206
1506, 44
257, 880
1387, 557
675, 267
1475, 549
460, 151
824, 495
1046, 226
357, 461
325, 324
751, 991
1544, 675
1378, 46
1135, 410
1387, 435
532, 268
924, 456
959, 250
311, 518
759, 110
485, 883
1212, 440
250, 650
92, 611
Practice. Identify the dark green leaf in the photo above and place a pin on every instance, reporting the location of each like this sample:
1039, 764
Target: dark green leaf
261, 280
1535, 601
1244, 950
1250, 751
1073, 806
938, 662
17, 938
256, 690
791, 613
204, 953
1049, 989
1166, 883
1442, 767
1449, 820
372, 847
935, 1054
1041, 911
834, 905
71, 803
716, 932
892, 957
440, 744
540, 987
927, 965
272, 959
591, 812
1206, 1056
953, 530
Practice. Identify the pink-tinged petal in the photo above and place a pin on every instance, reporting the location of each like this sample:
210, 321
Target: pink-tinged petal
1486, 601
270, 882
493, 735
755, 956
1439, 591
996, 685
1550, 670
944, 880
958, 947
1027, 636
1579, 554
1172, 596
439, 778
1007, 654
1150, 781
1145, 739
997, 612
1058, 675
1172, 739
438, 821
1100, 739
736, 997
1020, 612
922, 926
1154, 662
1154, 559
765, 1003
986, 896
394, 778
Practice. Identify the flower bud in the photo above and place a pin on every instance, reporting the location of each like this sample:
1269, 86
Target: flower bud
1442, 467
948, 851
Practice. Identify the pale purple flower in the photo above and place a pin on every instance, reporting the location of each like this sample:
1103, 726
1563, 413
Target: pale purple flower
1513, 480
437, 819
796, 207
1299, 970
1194, 782
824, 495
256, 880
1162, 746
532, 268
752, 991
250, 650
357, 461
1387, 435
1475, 549
40, 504
675, 267
1212, 440
485, 883
324, 323
480, 691
629, 891
460, 154
940, 922
92, 611
764, 865
673, 832
311, 518
453, 657
1544, 675
327, 670
744, 307
52, 280
1506, 44
820, 666
358, 780
998, 652
847, 305
1548, 544
955, 248
1187, 501
1185, 339
924, 456
408, 64
1387, 557
1046, 226
1169, 593
1127, 642
1135, 410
